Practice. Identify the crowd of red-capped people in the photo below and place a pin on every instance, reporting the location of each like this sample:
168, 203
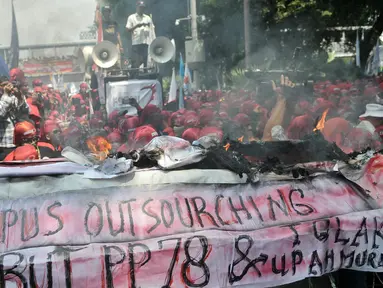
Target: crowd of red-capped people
37, 122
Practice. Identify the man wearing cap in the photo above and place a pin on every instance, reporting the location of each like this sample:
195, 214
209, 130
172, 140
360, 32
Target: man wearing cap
141, 26
372, 119
110, 28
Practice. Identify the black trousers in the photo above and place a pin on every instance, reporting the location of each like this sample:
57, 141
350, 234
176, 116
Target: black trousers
139, 55
4, 152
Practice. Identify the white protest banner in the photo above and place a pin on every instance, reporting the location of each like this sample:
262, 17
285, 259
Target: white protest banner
190, 235
262, 258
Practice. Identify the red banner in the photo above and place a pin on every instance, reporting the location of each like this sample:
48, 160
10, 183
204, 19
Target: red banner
47, 67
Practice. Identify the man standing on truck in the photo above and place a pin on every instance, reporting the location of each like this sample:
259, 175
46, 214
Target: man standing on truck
110, 30
142, 29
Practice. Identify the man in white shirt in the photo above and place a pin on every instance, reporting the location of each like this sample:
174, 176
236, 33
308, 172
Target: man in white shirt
372, 120
141, 27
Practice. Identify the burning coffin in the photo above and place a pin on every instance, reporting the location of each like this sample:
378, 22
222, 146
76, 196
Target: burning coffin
195, 227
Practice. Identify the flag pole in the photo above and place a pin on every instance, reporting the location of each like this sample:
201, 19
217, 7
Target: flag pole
181, 103
14, 59
357, 49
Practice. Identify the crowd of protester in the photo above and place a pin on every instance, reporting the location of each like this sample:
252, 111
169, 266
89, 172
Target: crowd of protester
37, 122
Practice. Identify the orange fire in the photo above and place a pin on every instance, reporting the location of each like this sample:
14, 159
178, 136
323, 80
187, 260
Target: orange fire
240, 139
227, 146
99, 147
321, 122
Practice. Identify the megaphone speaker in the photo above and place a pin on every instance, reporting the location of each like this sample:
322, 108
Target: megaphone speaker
84, 58
105, 54
162, 50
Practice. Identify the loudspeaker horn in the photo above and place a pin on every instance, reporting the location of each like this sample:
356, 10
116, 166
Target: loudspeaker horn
162, 50
84, 58
105, 54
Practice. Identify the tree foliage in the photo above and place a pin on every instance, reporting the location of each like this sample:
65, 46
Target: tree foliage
279, 26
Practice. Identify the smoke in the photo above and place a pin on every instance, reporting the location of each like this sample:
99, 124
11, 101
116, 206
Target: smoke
43, 22
6, 23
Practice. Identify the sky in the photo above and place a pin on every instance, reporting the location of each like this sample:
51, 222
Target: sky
46, 21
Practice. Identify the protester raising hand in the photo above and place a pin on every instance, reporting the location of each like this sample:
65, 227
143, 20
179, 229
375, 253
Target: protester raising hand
286, 88
284, 91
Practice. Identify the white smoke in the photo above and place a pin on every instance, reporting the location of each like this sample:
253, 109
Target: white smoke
46, 22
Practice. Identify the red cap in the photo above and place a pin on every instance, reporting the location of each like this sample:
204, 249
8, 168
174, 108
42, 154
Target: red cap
149, 110
304, 105
242, 119
77, 96
336, 129
300, 126
206, 116
113, 118
115, 137
371, 91
191, 121
214, 131
23, 131
211, 96
182, 111
26, 152
17, 74
38, 89
190, 112
191, 134
322, 105
177, 119
49, 126
169, 131
96, 123
143, 135
84, 86
247, 107
333, 89
54, 114
37, 82
71, 131
127, 124
166, 115
193, 104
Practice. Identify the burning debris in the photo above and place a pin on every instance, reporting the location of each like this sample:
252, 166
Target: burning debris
322, 121
99, 147
280, 157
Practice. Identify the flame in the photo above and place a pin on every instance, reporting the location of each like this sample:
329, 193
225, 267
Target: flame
240, 139
99, 147
227, 146
322, 120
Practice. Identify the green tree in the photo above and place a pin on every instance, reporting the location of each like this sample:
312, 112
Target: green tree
279, 26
